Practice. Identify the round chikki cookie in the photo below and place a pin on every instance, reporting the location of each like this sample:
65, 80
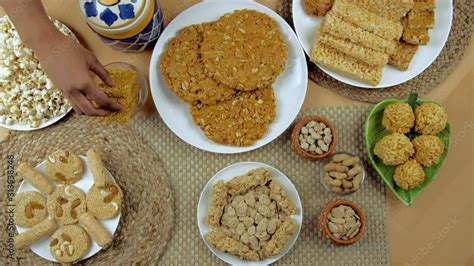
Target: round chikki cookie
183, 69
69, 244
30, 208
244, 50
106, 202
239, 121
66, 204
64, 167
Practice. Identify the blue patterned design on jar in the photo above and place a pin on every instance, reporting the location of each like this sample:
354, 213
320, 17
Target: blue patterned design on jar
91, 9
108, 17
126, 11
147, 38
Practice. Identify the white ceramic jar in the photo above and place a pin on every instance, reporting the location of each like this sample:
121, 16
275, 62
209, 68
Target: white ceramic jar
126, 25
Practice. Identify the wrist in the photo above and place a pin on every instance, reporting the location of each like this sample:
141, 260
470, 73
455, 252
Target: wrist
43, 39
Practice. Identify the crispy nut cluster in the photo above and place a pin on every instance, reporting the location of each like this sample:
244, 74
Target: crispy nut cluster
27, 95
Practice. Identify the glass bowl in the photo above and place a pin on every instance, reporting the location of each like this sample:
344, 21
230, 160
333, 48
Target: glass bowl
323, 172
141, 81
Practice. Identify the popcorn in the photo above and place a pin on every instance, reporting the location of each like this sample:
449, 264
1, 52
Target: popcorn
27, 95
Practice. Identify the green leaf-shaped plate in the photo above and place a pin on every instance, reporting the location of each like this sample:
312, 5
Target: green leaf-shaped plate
374, 131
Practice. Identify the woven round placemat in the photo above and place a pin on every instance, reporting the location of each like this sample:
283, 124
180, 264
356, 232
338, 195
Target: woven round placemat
461, 32
147, 216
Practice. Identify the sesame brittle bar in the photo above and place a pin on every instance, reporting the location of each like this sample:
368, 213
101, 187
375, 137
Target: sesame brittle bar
252, 179
403, 56
218, 202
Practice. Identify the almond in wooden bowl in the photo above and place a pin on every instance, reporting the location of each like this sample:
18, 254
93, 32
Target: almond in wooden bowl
313, 137
342, 222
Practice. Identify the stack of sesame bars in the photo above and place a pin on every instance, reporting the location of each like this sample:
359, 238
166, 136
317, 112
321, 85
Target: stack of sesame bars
359, 37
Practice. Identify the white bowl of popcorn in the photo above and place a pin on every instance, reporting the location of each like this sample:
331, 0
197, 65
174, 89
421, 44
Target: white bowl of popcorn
28, 98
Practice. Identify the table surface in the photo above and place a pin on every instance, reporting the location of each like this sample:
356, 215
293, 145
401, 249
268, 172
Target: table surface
438, 228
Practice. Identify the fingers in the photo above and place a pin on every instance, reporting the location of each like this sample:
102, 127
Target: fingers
94, 94
87, 108
103, 74
75, 107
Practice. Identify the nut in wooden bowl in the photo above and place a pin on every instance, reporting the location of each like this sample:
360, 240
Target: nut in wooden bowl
342, 222
313, 137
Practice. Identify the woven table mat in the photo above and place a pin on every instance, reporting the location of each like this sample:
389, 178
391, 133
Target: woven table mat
147, 216
190, 169
456, 45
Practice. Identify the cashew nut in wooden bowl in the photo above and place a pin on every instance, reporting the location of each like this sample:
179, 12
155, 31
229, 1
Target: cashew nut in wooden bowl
342, 222
311, 142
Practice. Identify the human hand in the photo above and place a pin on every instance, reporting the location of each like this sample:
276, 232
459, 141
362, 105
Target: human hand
72, 67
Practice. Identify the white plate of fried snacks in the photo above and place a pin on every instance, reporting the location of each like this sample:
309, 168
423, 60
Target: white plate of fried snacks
249, 213
245, 111
362, 48
87, 246
28, 99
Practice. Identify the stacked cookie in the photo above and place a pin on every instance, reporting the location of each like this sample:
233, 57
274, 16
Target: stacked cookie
225, 71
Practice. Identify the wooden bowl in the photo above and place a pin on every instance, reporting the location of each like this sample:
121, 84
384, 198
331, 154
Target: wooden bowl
295, 137
323, 222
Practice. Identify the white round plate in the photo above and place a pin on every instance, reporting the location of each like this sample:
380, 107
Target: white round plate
227, 174
47, 123
289, 88
307, 27
41, 248
51, 121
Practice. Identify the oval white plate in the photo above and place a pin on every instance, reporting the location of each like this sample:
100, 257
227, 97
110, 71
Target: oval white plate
290, 87
307, 26
227, 174
41, 248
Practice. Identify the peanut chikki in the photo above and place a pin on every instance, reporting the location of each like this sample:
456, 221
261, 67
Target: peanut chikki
244, 50
402, 57
318, 7
415, 36
182, 67
423, 5
239, 121
421, 20
218, 202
